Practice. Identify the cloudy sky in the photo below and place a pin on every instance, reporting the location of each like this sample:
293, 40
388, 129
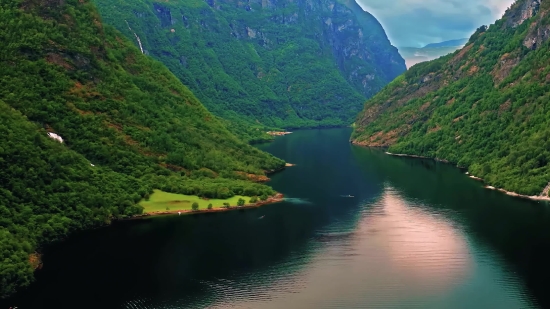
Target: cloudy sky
416, 23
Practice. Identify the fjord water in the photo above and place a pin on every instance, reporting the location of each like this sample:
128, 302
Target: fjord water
415, 234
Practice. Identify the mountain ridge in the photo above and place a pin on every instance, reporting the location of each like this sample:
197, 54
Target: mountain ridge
481, 107
284, 64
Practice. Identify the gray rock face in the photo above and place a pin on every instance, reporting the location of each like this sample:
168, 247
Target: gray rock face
521, 11
358, 42
164, 15
537, 37
314, 61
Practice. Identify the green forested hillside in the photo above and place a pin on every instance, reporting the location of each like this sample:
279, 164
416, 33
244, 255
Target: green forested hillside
47, 191
261, 64
484, 107
128, 126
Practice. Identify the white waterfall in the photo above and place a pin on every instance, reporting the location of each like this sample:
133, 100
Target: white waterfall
137, 37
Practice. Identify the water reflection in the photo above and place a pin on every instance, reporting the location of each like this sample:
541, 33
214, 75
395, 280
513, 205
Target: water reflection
396, 255
418, 246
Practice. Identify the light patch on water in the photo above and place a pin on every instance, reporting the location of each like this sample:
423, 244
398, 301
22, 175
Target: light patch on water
399, 255
297, 200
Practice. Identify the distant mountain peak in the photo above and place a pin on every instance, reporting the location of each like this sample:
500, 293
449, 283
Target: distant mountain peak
458, 42
414, 55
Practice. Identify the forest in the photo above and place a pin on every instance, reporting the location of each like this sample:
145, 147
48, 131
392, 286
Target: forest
484, 108
260, 68
127, 126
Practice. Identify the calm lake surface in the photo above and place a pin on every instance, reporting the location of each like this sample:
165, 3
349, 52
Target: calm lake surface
416, 234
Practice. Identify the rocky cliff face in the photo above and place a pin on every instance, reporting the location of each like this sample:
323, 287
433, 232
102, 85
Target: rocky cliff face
285, 63
484, 107
358, 42
521, 11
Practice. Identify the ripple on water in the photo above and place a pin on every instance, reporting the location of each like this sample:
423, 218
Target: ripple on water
396, 254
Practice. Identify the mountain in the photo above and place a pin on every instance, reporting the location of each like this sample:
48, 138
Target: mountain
265, 63
450, 43
414, 55
484, 107
90, 126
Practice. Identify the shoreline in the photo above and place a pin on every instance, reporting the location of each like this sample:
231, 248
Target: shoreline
510, 193
418, 157
278, 133
537, 198
277, 198
35, 258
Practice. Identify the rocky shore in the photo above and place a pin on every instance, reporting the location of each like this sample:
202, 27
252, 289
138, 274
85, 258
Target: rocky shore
541, 197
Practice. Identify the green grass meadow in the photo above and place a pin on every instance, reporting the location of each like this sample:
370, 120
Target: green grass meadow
160, 200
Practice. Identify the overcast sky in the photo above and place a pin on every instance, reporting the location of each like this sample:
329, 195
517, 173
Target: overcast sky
419, 22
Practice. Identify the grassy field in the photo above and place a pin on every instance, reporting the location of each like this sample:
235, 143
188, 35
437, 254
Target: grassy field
161, 200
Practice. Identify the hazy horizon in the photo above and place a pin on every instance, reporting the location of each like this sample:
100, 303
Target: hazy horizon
415, 23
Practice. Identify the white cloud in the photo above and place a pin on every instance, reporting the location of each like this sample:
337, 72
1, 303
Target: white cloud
419, 22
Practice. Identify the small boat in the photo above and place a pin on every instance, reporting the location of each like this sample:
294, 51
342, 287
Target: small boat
261, 217
347, 195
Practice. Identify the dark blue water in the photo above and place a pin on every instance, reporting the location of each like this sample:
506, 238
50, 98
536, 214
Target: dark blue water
415, 234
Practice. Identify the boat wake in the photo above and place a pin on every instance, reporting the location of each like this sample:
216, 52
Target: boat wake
327, 236
297, 200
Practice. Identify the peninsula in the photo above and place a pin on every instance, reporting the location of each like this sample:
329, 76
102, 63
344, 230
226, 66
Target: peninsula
164, 203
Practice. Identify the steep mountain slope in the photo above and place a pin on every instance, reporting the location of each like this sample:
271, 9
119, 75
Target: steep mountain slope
126, 125
484, 107
270, 63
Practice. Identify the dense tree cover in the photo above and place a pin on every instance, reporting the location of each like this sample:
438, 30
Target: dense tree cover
128, 126
284, 64
48, 191
485, 107
210, 188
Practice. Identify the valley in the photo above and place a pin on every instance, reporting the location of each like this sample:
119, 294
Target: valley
261, 65
114, 110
